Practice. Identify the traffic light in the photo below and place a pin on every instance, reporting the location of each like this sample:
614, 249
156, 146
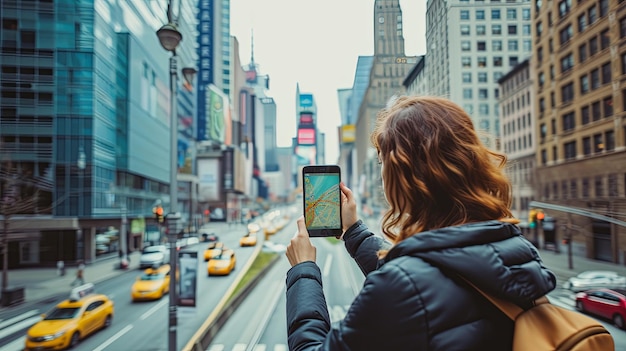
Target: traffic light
532, 218
158, 213
540, 216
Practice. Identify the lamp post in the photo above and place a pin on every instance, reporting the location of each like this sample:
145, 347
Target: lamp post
170, 37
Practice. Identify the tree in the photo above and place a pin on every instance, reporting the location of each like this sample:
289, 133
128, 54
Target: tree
19, 195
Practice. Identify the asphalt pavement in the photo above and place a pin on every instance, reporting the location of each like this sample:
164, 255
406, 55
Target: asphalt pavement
44, 283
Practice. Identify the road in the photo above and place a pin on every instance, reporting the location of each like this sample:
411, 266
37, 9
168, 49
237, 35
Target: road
137, 326
259, 324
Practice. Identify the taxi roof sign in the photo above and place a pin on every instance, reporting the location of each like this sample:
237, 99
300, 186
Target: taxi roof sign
81, 291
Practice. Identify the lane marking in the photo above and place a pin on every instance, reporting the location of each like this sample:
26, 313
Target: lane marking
155, 308
112, 339
10, 321
219, 347
19, 326
16, 345
239, 347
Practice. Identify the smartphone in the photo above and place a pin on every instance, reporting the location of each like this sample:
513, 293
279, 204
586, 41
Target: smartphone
322, 200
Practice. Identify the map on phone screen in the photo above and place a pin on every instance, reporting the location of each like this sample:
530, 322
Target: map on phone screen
322, 201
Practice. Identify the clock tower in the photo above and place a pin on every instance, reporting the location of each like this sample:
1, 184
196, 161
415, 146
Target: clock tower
388, 38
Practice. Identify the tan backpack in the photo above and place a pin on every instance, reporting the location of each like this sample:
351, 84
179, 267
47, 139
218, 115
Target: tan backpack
547, 327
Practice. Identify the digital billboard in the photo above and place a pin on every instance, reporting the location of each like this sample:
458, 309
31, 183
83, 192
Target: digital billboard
217, 105
209, 179
306, 118
306, 100
348, 133
306, 136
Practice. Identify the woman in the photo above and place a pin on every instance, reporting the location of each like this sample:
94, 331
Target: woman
448, 220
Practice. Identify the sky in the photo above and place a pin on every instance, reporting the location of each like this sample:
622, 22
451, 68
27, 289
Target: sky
316, 44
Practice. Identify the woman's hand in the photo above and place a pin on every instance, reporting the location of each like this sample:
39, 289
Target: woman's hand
300, 248
348, 207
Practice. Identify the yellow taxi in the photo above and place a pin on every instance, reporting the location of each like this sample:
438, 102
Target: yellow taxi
72, 320
222, 264
213, 249
248, 240
152, 284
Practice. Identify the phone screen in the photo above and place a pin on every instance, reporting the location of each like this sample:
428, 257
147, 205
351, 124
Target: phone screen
322, 200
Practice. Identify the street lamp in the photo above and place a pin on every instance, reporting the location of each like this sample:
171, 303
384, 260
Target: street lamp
170, 37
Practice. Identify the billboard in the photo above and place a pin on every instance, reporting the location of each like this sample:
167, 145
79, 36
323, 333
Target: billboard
229, 168
306, 136
209, 179
348, 133
306, 100
306, 118
188, 278
217, 104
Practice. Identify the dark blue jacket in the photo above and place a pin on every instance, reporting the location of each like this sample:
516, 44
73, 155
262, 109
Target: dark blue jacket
413, 299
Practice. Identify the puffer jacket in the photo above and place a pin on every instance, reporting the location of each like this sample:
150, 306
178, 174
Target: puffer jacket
414, 299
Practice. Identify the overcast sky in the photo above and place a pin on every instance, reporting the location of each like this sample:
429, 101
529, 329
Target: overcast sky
315, 44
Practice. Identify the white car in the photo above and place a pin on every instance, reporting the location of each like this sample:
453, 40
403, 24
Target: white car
595, 279
152, 256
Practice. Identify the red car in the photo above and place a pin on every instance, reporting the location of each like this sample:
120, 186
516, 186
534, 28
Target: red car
606, 303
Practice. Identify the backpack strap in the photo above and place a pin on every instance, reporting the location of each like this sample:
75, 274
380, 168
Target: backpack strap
510, 309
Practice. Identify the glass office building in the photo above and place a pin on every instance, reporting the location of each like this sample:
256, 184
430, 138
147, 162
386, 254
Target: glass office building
85, 122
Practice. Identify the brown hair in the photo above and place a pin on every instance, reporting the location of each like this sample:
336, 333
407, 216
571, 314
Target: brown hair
436, 171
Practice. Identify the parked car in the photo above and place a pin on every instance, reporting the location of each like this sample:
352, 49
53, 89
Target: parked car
595, 279
70, 321
152, 284
605, 303
222, 264
154, 256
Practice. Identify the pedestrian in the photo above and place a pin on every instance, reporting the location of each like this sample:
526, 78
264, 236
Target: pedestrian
61, 268
448, 219
80, 274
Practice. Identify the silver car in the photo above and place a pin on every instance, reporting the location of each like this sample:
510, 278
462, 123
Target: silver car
595, 279
154, 256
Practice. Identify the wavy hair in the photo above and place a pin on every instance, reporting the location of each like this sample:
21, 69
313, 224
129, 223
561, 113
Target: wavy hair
436, 172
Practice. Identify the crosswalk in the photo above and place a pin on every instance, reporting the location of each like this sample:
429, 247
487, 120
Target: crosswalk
14, 325
245, 347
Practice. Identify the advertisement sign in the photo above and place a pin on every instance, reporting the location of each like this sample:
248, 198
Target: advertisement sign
306, 119
240, 171
306, 136
188, 278
205, 65
306, 100
228, 169
209, 179
348, 133
217, 104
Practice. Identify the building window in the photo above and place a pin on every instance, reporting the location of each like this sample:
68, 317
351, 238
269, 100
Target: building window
539, 29
582, 53
609, 138
566, 34
482, 61
465, 30
512, 29
481, 29
480, 14
624, 63
569, 122
483, 110
570, 150
596, 114
595, 79
512, 45
497, 61
495, 14
604, 7
481, 46
592, 14
483, 94
606, 73
466, 45
613, 189
622, 27
496, 29
467, 77
544, 157
496, 45
608, 106
467, 93
573, 190
598, 145
511, 14
584, 114
587, 146
482, 77
526, 29
593, 46
567, 63
582, 23
466, 62
526, 14
584, 84
585, 188
605, 39
465, 14
599, 186
527, 45
567, 93
513, 61
564, 189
